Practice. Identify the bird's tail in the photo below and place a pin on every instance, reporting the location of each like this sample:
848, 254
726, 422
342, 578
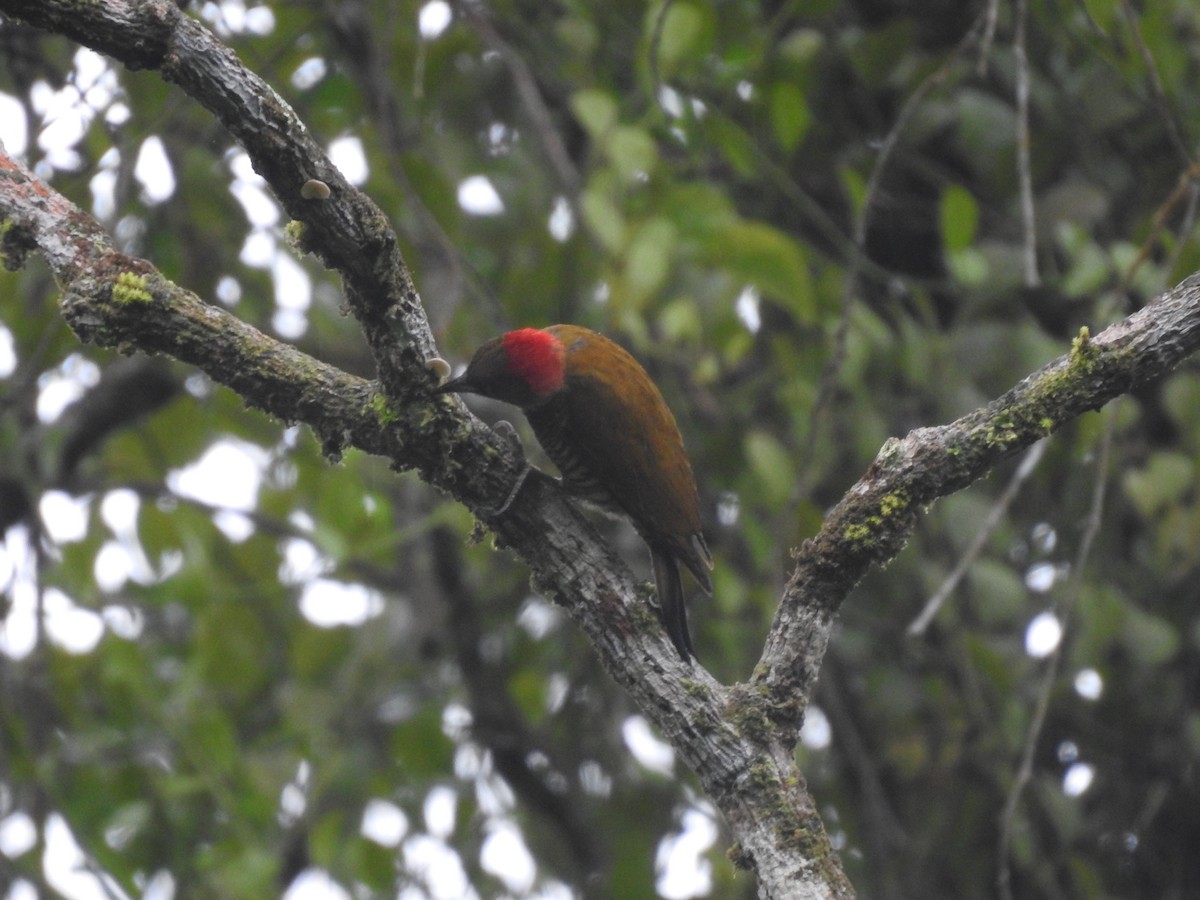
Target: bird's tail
670, 598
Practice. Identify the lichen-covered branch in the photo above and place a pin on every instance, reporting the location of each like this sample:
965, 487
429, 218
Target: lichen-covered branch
122, 302
875, 518
341, 225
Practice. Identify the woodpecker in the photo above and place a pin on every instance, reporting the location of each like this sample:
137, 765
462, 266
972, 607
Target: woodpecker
603, 422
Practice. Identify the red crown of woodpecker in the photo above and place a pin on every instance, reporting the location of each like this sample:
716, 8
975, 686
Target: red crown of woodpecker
538, 358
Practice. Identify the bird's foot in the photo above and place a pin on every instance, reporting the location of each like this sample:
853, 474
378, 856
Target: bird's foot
491, 512
509, 434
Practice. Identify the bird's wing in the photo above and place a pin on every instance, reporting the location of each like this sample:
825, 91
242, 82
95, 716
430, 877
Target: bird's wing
631, 444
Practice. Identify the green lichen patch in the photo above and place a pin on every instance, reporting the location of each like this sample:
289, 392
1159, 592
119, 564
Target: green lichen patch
383, 410
131, 288
894, 503
857, 533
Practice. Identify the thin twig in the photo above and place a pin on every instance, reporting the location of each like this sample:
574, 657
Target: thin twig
1063, 610
652, 53
1185, 186
1185, 227
1029, 463
1187, 179
365, 49
1086, 14
989, 35
855, 261
530, 96
1161, 103
1024, 169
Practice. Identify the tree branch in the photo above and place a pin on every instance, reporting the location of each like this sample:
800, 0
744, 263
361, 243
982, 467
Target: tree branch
122, 302
873, 521
347, 231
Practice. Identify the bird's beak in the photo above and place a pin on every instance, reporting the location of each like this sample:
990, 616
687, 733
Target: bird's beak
458, 385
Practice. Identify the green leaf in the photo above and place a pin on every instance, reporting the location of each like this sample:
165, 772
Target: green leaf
214, 741
735, 144
1162, 481
959, 217
419, 747
771, 464
631, 151
756, 253
696, 209
1151, 640
596, 111
327, 837
230, 641
374, 864
316, 653
604, 219
854, 185
579, 34
1091, 268
1181, 397
680, 321
1002, 593
686, 35
651, 252
802, 45
968, 266
790, 115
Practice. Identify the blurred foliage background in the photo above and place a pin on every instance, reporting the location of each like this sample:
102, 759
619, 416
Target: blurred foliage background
226, 661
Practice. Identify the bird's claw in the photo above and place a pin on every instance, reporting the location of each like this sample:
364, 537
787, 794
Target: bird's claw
509, 435
491, 512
